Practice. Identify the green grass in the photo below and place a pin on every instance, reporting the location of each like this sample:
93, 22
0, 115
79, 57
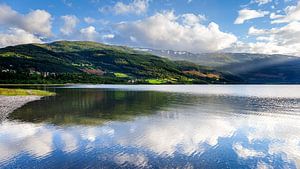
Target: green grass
24, 92
156, 81
12, 54
121, 75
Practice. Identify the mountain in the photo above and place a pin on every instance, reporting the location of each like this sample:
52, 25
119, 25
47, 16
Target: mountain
252, 68
91, 62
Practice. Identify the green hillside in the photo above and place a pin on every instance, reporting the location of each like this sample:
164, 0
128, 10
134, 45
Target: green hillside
91, 62
252, 68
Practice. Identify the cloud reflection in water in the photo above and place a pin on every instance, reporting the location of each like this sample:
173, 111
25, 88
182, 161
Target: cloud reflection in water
209, 131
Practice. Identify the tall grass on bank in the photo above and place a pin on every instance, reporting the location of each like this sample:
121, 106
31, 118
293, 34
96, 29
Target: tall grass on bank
24, 92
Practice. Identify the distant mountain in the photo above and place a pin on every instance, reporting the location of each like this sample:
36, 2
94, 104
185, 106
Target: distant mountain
252, 68
91, 62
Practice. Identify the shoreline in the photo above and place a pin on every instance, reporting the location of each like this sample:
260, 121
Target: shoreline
72, 84
10, 103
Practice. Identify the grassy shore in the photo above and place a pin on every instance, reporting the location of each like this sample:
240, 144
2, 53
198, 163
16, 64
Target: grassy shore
24, 92
4, 85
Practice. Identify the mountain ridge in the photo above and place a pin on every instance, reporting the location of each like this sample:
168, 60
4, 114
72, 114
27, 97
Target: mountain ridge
92, 62
252, 68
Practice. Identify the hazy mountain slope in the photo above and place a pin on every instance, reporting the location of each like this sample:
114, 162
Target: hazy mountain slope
90, 62
252, 68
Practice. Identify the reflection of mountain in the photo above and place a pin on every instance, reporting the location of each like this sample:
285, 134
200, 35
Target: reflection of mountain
88, 106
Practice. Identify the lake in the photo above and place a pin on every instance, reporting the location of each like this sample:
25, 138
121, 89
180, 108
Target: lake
168, 126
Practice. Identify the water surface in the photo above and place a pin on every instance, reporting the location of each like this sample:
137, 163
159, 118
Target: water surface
138, 126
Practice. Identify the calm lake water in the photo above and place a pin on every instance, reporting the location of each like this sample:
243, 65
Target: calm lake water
138, 126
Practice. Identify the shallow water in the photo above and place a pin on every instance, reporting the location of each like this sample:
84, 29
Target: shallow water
138, 126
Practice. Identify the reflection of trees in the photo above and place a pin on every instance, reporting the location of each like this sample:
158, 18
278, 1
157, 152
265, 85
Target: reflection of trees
91, 106
95, 106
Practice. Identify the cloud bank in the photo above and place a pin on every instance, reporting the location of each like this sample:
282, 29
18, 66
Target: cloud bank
166, 30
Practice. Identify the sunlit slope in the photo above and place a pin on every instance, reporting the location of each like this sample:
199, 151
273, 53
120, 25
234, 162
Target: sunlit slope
90, 62
252, 68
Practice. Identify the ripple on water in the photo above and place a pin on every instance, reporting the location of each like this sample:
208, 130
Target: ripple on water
153, 129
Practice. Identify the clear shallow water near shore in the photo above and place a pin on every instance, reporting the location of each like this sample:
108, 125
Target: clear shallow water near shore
138, 126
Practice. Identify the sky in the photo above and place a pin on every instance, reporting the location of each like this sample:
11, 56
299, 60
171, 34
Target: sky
252, 26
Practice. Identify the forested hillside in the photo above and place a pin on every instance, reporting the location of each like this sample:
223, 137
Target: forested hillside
91, 62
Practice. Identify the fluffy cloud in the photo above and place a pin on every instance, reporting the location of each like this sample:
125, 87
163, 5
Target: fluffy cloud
191, 19
175, 134
35, 22
27, 134
184, 32
136, 7
292, 13
253, 31
247, 14
275, 16
89, 33
282, 40
17, 36
70, 22
277, 40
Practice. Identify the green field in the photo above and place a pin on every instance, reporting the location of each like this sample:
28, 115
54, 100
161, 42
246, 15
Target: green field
156, 81
24, 92
121, 75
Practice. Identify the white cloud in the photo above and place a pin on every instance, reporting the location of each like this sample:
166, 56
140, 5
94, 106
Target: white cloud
282, 40
70, 22
21, 137
176, 134
253, 31
264, 38
247, 14
136, 7
283, 131
275, 16
184, 32
245, 153
292, 13
108, 36
137, 160
89, 20
89, 33
36, 21
265, 48
70, 142
277, 40
17, 36
189, 1
192, 19
261, 2
285, 39
263, 165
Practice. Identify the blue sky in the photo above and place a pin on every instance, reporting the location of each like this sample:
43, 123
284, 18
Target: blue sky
257, 26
